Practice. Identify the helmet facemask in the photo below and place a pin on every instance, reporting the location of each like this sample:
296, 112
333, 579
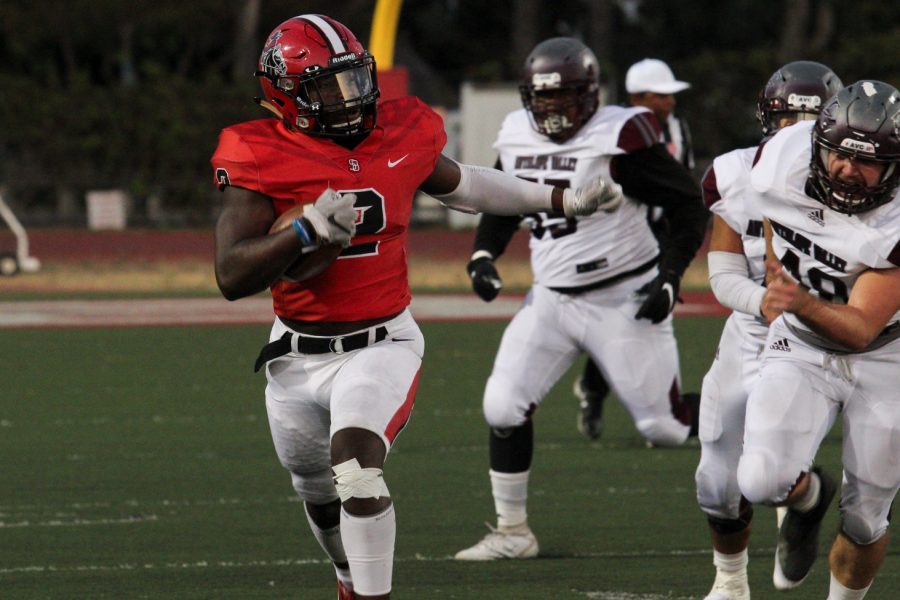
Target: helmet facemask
559, 112
560, 87
335, 103
860, 123
778, 115
850, 197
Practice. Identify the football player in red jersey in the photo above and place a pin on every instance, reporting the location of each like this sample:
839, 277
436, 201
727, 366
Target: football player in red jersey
344, 353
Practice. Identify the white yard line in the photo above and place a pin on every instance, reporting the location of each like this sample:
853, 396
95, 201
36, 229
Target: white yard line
289, 562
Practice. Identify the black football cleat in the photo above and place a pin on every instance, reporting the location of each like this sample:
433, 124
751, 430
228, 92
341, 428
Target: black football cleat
692, 401
798, 538
590, 415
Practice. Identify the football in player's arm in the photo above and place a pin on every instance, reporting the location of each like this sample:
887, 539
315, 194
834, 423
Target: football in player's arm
316, 207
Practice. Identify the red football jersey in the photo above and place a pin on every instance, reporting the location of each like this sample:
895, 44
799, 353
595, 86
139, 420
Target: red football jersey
369, 279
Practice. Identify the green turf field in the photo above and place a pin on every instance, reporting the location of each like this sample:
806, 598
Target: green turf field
136, 463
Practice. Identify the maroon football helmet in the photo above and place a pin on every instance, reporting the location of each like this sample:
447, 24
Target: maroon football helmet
799, 90
862, 121
560, 87
319, 78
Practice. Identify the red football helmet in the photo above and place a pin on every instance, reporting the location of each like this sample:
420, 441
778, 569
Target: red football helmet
862, 121
318, 77
560, 87
797, 90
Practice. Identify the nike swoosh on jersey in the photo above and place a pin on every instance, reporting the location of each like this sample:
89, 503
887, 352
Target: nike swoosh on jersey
394, 163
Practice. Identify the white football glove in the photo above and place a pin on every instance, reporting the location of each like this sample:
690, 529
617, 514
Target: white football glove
597, 194
333, 217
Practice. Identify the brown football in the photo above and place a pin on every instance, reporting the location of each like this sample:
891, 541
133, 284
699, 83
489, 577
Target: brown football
308, 265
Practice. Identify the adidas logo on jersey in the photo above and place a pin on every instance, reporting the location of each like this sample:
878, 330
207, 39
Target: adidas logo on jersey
781, 345
817, 215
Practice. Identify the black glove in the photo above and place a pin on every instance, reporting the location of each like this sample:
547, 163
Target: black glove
660, 296
485, 280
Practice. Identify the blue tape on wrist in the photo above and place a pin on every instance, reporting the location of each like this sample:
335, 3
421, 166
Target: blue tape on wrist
302, 233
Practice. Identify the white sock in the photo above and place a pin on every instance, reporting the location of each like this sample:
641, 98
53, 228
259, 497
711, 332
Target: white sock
330, 541
836, 591
510, 491
731, 563
780, 512
810, 499
369, 543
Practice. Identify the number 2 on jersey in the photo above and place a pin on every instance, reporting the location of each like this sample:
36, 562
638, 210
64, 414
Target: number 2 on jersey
370, 219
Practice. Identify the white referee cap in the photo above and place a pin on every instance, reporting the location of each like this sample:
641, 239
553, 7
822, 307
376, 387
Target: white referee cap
652, 75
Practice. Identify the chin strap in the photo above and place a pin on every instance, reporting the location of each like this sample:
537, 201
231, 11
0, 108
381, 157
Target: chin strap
269, 106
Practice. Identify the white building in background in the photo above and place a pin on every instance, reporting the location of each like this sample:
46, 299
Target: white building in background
471, 132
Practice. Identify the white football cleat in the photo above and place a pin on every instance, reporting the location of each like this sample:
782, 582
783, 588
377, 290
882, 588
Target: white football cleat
730, 586
497, 545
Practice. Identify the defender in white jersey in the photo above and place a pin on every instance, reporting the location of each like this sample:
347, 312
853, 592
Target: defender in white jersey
601, 285
650, 83
795, 92
835, 230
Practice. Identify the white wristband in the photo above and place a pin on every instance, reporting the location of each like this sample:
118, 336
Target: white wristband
729, 278
481, 254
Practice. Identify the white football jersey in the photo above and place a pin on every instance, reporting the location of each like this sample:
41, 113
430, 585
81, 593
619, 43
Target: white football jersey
823, 249
575, 252
735, 205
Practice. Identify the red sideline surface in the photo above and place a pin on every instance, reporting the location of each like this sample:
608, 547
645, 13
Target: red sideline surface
136, 245
76, 245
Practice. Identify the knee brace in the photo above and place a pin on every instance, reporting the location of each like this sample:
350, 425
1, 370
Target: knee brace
352, 481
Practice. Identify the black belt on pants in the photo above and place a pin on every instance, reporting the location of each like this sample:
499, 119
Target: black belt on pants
316, 345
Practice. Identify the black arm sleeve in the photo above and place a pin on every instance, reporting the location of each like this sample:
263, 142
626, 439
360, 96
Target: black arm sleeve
495, 232
653, 177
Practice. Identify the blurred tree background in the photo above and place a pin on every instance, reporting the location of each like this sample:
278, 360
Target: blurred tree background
100, 94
